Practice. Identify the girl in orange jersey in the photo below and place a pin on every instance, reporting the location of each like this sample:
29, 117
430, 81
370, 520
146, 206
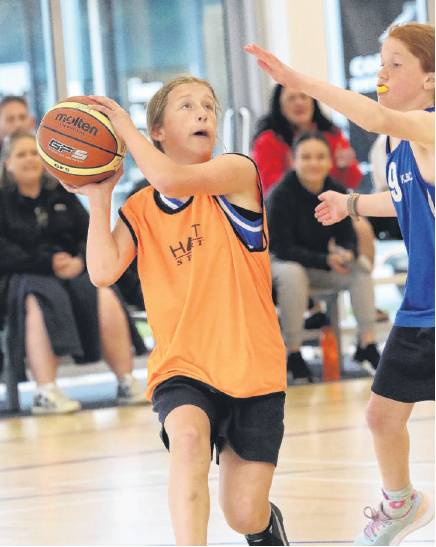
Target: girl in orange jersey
217, 375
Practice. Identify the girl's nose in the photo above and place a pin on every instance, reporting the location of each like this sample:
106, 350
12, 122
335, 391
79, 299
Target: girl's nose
382, 72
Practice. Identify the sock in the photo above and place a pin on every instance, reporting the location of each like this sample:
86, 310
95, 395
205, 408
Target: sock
397, 503
268, 537
262, 538
126, 379
42, 388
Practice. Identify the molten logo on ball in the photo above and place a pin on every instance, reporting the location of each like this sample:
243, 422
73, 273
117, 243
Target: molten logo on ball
77, 122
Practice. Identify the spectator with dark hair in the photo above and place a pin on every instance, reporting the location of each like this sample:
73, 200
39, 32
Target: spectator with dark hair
291, 113
52, 307
14, 115
307, 255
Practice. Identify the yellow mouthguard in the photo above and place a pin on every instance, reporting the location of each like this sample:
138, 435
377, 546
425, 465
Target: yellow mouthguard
382, 89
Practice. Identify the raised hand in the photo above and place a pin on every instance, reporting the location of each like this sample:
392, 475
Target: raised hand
119, 118
332, 209
281, 73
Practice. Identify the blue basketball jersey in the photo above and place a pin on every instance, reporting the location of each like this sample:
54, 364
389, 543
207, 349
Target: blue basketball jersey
414, 201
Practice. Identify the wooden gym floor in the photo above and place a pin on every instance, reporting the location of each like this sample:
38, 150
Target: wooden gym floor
99, 477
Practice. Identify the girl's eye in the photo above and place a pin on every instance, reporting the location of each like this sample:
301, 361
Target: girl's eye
186, 105
210, 107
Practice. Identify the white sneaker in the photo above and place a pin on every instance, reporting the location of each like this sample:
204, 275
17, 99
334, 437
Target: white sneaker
49, 399
131, 392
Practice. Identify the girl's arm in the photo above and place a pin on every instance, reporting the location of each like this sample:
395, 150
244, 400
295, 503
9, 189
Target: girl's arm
415, 126
108, 254
333, 206
226, 174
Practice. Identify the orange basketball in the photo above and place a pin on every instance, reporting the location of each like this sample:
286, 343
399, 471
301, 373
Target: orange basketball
78, 144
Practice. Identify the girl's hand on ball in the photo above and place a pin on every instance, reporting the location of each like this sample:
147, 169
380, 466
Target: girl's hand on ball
119, 118
104, 187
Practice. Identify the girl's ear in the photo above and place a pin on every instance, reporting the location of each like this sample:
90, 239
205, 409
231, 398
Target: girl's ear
429, 81
157, 133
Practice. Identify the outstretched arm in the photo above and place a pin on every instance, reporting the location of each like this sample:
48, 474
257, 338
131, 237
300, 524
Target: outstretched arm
415, 126
333, 206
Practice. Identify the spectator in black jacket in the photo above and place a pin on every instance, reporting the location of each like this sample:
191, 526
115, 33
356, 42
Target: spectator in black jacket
307, 255
52, 307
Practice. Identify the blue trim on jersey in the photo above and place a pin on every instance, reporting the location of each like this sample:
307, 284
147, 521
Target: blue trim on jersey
173, 203
414, 200
250, 231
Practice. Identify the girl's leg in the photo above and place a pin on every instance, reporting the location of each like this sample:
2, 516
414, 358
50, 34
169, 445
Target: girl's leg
387, 420
42, 361
244, 497
188, 430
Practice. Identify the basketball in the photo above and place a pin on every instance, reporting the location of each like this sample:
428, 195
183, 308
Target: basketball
78, 144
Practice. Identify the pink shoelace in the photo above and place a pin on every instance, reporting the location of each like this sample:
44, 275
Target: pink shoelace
378, 520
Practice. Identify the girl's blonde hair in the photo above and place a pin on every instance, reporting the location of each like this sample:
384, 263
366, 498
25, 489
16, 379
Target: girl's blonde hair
419, 40
157, 104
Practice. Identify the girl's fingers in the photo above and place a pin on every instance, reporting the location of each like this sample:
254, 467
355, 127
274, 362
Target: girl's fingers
103, 109
321, 208
259, 52
109, 103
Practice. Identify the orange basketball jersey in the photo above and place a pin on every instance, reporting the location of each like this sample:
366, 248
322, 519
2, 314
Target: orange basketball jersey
207, 296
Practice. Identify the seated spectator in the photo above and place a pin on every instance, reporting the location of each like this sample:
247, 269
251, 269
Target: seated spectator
307, 255
292, 113
52, 307
14, 115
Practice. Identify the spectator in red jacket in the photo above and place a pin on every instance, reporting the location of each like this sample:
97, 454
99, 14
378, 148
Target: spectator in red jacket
292, 113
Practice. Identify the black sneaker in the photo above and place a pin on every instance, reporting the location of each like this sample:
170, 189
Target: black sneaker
275, 534
316, 321
368, 357
298, 367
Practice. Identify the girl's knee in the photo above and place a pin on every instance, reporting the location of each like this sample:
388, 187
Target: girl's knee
384, 423
190, 443
243, 515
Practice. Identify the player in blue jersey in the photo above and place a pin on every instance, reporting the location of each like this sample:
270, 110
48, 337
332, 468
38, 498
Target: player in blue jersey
405, 375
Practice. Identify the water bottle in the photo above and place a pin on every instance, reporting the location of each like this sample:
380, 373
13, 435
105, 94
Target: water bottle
331, 370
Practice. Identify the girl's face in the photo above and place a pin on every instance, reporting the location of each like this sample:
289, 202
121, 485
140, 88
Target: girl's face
188, 130
297, 108
312, 162
24, 163
402, 74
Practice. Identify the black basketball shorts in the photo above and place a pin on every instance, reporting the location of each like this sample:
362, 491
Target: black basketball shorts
406, 369
253, 426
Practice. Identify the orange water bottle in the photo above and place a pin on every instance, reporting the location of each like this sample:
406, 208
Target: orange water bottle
330, 355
